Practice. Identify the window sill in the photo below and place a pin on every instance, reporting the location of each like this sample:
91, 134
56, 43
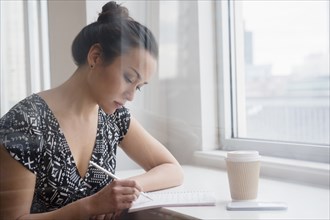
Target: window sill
304, 172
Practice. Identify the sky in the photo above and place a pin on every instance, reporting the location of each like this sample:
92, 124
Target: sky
292, 29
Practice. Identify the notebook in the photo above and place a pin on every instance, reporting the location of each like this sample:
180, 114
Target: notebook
173, 199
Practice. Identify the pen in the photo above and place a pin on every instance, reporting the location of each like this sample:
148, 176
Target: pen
112, 175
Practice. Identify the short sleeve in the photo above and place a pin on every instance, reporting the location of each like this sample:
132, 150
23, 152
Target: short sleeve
122, 120
19, 135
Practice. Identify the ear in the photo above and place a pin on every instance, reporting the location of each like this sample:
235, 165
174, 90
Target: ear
94, 55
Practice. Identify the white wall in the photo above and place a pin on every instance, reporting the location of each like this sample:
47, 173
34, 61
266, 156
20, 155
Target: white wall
66, 18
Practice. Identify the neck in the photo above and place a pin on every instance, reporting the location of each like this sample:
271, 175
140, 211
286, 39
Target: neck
75, 96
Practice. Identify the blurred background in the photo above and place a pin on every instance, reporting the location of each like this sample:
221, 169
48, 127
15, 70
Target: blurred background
249, 71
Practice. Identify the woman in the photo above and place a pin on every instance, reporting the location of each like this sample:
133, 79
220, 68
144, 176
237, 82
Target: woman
55, 133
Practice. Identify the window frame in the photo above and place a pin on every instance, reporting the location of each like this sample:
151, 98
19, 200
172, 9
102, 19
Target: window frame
36, 45
228, 104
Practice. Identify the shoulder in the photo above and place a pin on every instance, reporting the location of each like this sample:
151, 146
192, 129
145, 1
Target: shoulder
20, 131
119, 120
120, 116
24, 113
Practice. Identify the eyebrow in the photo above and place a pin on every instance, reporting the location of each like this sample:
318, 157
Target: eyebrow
138, 74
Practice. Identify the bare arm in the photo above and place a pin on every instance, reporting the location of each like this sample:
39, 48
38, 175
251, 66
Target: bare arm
163, 170
17, 188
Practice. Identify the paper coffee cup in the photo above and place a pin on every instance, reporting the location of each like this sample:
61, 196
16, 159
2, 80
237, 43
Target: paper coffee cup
243, 168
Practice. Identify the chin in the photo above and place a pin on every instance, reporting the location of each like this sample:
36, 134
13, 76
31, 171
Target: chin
111, 111
108, 110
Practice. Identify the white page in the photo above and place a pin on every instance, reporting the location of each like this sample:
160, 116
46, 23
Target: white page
173, 199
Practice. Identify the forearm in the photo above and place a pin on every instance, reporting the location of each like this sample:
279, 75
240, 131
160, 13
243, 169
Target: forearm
80, 209
160, 177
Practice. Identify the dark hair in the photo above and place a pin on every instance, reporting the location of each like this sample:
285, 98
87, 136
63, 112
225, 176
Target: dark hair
116, 32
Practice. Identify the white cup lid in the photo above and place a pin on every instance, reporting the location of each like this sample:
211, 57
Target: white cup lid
243, 156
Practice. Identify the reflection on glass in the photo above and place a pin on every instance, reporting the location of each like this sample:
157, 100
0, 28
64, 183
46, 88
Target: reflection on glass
286, 64
13, 81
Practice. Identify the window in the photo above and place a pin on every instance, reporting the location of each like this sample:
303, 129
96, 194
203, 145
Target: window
277, 66
24, 51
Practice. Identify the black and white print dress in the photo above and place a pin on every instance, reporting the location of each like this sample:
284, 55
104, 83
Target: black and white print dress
32, 136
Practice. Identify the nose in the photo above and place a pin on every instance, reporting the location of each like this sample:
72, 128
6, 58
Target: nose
129, 95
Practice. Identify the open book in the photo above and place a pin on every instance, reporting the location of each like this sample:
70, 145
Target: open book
173, 199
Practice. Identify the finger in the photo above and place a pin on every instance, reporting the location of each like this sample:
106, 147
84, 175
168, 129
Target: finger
117, 214
121, 201
127, 183
109, 216
129, 191
119, 190
100, 217
97, 217
127, 198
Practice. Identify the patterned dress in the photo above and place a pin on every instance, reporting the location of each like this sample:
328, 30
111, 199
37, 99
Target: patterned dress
32, 136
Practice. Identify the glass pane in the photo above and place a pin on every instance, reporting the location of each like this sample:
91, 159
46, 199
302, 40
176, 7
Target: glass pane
12, 75
285, 59
168, 39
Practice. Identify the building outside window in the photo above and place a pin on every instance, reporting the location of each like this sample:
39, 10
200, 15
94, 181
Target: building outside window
279, 75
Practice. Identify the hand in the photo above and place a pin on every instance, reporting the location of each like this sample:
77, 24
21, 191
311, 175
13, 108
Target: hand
115, 197
102, 217
110, 216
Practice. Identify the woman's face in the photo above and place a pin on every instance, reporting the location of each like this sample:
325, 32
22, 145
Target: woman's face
114, 84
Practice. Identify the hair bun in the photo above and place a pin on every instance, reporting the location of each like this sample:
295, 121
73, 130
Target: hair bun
112, 12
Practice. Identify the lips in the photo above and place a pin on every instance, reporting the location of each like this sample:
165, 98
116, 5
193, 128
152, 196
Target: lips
118, 104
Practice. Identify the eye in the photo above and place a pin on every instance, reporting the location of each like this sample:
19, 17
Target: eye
138, 88
127, 79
